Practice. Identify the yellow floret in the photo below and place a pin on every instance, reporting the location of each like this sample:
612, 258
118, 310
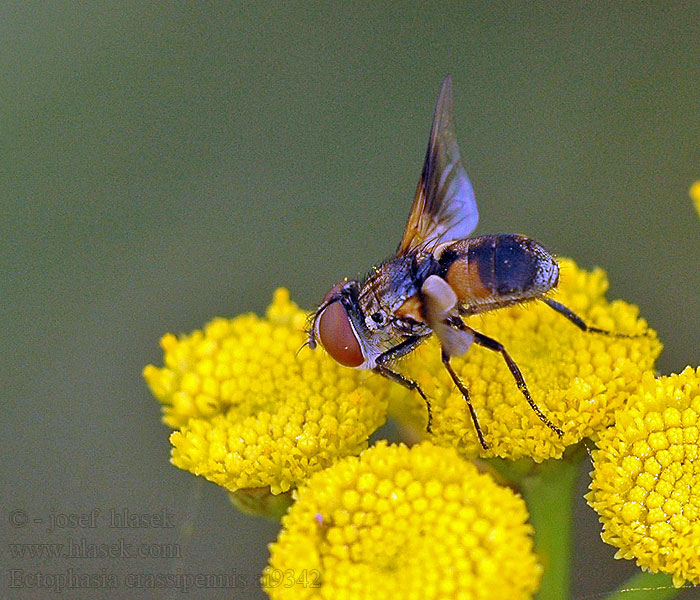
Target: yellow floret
577, 379
403, 523
255, 411
695, 195
646, 477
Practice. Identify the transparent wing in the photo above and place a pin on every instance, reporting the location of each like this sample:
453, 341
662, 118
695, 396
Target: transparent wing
443, 208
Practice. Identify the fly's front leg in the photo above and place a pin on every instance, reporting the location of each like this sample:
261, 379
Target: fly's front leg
411, 385
392, 354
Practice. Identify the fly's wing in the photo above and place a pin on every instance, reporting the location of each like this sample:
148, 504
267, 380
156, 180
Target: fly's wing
443, 208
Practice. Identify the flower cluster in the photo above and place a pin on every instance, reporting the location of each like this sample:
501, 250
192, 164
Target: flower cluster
405, 523
646, 477
695, 195
255, 411
259, 414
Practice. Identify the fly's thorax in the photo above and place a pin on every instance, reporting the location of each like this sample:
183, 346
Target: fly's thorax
392, 291
496, 270
388, 308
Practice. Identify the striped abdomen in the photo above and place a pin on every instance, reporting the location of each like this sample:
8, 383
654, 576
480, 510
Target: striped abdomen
495, 270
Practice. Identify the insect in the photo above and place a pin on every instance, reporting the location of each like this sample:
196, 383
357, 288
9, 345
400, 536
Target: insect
438, 276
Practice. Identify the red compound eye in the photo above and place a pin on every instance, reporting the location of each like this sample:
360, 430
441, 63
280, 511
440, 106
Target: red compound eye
337, 335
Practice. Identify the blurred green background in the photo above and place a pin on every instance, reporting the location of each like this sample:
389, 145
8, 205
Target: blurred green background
165, 164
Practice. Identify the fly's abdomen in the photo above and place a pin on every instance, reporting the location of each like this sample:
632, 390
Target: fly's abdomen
497, 269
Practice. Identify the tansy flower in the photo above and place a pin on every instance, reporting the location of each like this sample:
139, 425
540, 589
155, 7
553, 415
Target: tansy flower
695, 195
646, 477
403, 523
253, 410
577, 379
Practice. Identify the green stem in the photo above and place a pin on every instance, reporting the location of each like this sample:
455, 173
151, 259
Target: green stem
549, 494
646, 586
260, 502
548, 489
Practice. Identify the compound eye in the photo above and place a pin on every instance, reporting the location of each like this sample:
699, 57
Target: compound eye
337, 335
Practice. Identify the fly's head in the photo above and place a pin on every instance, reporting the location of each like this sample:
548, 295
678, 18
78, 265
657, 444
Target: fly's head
355, 325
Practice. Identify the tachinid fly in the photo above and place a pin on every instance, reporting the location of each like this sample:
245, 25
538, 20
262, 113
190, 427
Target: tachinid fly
438, 276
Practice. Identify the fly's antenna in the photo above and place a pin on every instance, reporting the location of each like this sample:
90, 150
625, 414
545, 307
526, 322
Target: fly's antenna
306, 343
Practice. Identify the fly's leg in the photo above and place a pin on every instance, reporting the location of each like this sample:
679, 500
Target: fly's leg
496, 346
579, 322
396, 352
411, 385
465, 393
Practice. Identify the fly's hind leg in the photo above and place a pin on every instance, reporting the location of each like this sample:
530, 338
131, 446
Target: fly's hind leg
580, 323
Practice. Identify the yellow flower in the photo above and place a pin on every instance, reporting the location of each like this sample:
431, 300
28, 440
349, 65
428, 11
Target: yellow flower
403, 523
646, 477
577, 379
695, 195
254, 411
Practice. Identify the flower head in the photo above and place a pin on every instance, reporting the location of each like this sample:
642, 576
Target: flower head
695, 195
404, 523
253, 410
646, 477
577, 379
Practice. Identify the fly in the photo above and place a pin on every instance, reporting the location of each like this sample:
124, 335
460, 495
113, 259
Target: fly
438, 276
